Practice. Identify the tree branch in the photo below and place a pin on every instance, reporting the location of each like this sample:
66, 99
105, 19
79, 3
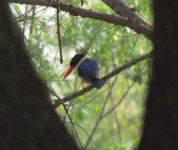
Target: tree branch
105, 78
77, 11
123, 10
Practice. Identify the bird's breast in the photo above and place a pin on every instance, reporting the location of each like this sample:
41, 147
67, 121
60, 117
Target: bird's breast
88, 70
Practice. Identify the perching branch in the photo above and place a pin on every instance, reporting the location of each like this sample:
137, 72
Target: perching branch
105, 78
77, 11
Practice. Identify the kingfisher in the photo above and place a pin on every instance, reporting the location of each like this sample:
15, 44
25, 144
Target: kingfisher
88, 70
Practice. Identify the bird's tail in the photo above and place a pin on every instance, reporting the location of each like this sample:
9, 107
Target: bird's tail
98, 83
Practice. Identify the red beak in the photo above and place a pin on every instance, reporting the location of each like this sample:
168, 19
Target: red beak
68, 72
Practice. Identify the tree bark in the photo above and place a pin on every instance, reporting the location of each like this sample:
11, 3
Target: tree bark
160, 131
27, 119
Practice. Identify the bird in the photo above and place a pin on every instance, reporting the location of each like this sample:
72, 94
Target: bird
87, 68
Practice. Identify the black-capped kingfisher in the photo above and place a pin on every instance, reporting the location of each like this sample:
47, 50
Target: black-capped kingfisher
88, 70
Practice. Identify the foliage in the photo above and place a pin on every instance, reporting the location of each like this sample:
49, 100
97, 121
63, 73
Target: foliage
112, 46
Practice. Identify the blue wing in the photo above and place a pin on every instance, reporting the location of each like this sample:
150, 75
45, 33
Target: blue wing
88, 70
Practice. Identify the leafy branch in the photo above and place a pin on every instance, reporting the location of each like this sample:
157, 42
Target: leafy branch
105, 78
77, 11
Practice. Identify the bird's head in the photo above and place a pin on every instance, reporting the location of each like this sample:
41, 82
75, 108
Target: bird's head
73, 63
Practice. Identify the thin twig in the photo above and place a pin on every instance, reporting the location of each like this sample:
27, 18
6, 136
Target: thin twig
100, 116
116, 118
25, 19
119, 102
59, 32
32, 19
70, 119
71, 103
94, 97
82, 129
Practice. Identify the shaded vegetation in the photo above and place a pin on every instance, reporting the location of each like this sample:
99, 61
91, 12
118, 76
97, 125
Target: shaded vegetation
92, 120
